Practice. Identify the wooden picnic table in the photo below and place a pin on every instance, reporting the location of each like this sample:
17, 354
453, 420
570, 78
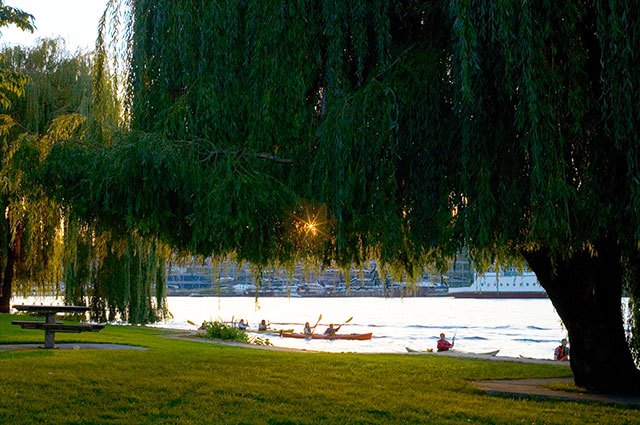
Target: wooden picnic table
50, 326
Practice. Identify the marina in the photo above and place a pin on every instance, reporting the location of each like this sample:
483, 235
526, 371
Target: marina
461, 281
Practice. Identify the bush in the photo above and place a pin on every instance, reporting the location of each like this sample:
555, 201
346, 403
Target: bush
218, 330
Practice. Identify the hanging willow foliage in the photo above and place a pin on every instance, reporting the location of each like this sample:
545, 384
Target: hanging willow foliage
419, 127
50, 249
239, 137
124, 278
391, 114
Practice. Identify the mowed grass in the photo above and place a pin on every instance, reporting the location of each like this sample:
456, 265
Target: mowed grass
178, 381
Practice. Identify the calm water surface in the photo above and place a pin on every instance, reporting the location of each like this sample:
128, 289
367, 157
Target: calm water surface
527, 327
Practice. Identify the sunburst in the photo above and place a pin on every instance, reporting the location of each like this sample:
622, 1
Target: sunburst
312, 224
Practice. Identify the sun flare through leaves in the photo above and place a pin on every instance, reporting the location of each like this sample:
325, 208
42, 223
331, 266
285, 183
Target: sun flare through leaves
312, 222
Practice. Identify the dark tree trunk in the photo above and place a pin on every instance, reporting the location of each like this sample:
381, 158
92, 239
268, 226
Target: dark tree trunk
5, 294
6, 286
586, 289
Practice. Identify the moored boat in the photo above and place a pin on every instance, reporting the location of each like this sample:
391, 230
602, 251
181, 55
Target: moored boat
361, 337
505, 284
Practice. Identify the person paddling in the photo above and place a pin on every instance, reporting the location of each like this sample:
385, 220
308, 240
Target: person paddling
263, 325
242, 325
331, 331
307, 329
443, 344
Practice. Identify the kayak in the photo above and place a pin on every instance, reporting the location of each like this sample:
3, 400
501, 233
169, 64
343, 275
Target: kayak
453, 352
360, 337
272, 332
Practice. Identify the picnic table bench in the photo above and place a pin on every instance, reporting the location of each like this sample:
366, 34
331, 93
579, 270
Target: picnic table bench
50, 326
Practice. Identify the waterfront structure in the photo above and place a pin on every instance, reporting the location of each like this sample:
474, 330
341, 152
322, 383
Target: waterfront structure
461, 280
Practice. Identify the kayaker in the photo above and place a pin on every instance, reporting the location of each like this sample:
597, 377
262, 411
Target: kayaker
241, 325
262, 326
443, 344
307, 329
562, 351
330, 331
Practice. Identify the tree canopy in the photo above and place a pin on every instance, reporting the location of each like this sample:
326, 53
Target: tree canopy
401, 130
391, 115
249, 140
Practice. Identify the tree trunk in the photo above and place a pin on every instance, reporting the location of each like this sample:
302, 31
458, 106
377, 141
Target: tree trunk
5, 296
6, 285
586, 290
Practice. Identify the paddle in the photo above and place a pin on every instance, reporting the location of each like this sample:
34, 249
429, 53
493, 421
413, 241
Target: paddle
316, 325
453, 340
345, 322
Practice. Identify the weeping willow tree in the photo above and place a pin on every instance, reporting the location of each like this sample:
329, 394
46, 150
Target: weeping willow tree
400, 130
11, 86
32, 246
47, 248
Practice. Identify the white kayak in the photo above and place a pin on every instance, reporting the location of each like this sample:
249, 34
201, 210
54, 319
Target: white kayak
454, 353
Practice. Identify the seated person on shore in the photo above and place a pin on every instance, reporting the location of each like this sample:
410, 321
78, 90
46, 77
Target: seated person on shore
443, 344
262, 326
330, 331
562, 351
307, 329
242, 325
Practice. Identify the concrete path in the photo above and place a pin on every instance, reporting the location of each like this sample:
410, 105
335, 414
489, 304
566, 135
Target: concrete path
541, 388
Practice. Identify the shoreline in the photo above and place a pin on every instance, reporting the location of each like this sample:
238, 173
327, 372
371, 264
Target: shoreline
192, 336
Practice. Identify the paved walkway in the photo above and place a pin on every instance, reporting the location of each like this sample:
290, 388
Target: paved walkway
540, 388
192, 336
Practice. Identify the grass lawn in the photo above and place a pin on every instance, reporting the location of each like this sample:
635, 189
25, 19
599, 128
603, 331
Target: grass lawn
184, 382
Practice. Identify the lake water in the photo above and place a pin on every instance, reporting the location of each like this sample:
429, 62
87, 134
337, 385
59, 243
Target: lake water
527, 327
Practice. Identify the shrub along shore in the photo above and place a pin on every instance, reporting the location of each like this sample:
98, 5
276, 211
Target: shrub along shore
184, 381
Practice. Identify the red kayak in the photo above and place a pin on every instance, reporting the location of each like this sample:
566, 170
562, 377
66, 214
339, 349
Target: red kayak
323, 336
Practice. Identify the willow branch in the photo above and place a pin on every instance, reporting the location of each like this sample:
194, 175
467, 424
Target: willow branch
260, 155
